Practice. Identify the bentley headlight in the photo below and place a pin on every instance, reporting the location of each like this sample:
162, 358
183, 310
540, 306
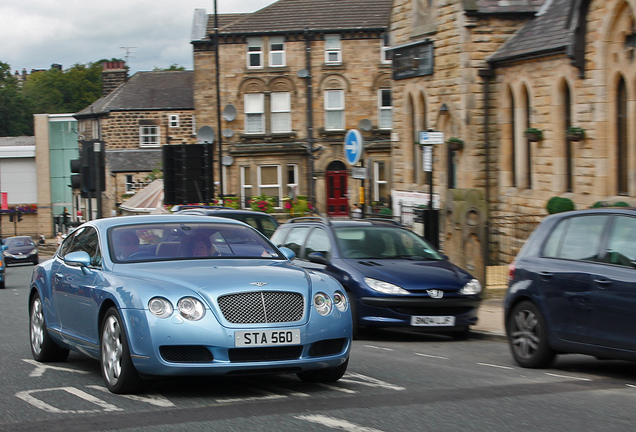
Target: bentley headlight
384, 287
340, 300
322, 303
471, 288
160, 307
191, 308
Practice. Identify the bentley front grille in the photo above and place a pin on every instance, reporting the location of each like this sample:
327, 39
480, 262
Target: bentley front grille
262, 307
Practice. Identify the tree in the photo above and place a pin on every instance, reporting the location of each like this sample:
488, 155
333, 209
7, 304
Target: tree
54, 91
16, 117
173, 67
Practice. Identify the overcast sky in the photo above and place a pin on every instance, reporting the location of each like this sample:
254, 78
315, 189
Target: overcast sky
34, 34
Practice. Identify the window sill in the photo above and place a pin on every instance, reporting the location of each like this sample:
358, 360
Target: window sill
268, 136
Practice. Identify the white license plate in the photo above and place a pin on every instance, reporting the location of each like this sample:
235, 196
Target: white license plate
432, 320
252, 338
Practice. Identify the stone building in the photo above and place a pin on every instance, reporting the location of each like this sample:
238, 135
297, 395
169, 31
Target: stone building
128, 127
293, 78
485, 71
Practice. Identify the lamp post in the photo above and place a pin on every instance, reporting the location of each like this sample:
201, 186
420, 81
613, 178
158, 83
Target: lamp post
218, 101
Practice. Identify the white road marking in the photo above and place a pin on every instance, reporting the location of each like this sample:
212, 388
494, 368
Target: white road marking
568, 377
431, 356
357, 378
340, 389
495, 366
40, 368
379, 348
28, 396
334, 423
156, 400
266, 396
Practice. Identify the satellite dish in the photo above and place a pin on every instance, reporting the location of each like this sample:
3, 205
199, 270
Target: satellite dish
365, 125
302, 73
229, 112
227, 133
227, 160
205, 134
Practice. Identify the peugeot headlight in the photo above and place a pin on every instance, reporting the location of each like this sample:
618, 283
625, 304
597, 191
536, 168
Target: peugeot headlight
160, 307
471, 288
322, 303
33, 252
340, 300
191, 308
384, 287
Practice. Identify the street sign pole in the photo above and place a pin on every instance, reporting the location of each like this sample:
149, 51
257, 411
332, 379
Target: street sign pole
353, 148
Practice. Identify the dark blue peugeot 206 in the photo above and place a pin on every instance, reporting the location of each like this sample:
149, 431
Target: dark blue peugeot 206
394, 277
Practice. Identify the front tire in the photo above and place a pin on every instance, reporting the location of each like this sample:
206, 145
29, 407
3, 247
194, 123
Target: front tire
324, 375
528, 336
43, 348
117, 368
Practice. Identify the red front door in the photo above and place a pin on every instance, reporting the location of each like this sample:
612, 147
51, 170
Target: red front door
337, 202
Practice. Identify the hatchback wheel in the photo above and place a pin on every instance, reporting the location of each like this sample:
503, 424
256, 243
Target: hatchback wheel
527, 336
42, 346
117, 368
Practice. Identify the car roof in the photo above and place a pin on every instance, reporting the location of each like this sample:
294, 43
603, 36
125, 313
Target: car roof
345, 222
222, 210
601, 210
106, 223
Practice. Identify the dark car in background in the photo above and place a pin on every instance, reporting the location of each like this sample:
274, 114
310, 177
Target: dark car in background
19, 250
572, 288
394, 277
263, 222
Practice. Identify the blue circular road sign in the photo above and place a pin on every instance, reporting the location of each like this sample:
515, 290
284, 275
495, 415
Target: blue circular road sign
353, 145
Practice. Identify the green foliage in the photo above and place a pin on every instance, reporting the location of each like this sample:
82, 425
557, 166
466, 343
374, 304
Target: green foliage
54, 91
173, 67
559, 204
297, 207
262, 203
233, 202
601, 204
574, 131
16, 116
538, 133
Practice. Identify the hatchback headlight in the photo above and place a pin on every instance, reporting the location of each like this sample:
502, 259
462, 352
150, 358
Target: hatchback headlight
384, 287
340, 300
191, 308
322, 303
160, 307
471, 288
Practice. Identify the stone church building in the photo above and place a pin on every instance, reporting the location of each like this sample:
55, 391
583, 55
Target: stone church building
486, 71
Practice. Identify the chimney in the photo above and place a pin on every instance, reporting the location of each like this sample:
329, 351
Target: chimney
114, 74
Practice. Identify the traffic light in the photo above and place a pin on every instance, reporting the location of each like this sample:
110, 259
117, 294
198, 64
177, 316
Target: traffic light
10, 217
18, 214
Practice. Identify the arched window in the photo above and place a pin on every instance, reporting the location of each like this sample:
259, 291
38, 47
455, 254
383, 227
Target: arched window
621, 138
567, 115
528, 158
513, 138
412, 129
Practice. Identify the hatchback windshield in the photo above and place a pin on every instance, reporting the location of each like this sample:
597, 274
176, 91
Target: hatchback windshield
167, 241
378, 242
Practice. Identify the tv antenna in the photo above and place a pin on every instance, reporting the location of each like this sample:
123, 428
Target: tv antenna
128, 52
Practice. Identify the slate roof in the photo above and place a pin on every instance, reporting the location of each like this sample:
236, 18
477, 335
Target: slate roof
144, 91
548, 32
317, 15
20, 141
134, 160
503, 6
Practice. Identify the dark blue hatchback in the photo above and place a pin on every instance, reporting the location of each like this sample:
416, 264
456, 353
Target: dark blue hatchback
393, 277
572, 288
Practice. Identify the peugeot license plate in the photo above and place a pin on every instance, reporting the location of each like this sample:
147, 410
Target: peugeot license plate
253, 338
433, 321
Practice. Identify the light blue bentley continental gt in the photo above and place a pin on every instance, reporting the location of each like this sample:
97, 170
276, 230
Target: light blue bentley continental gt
186, 295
